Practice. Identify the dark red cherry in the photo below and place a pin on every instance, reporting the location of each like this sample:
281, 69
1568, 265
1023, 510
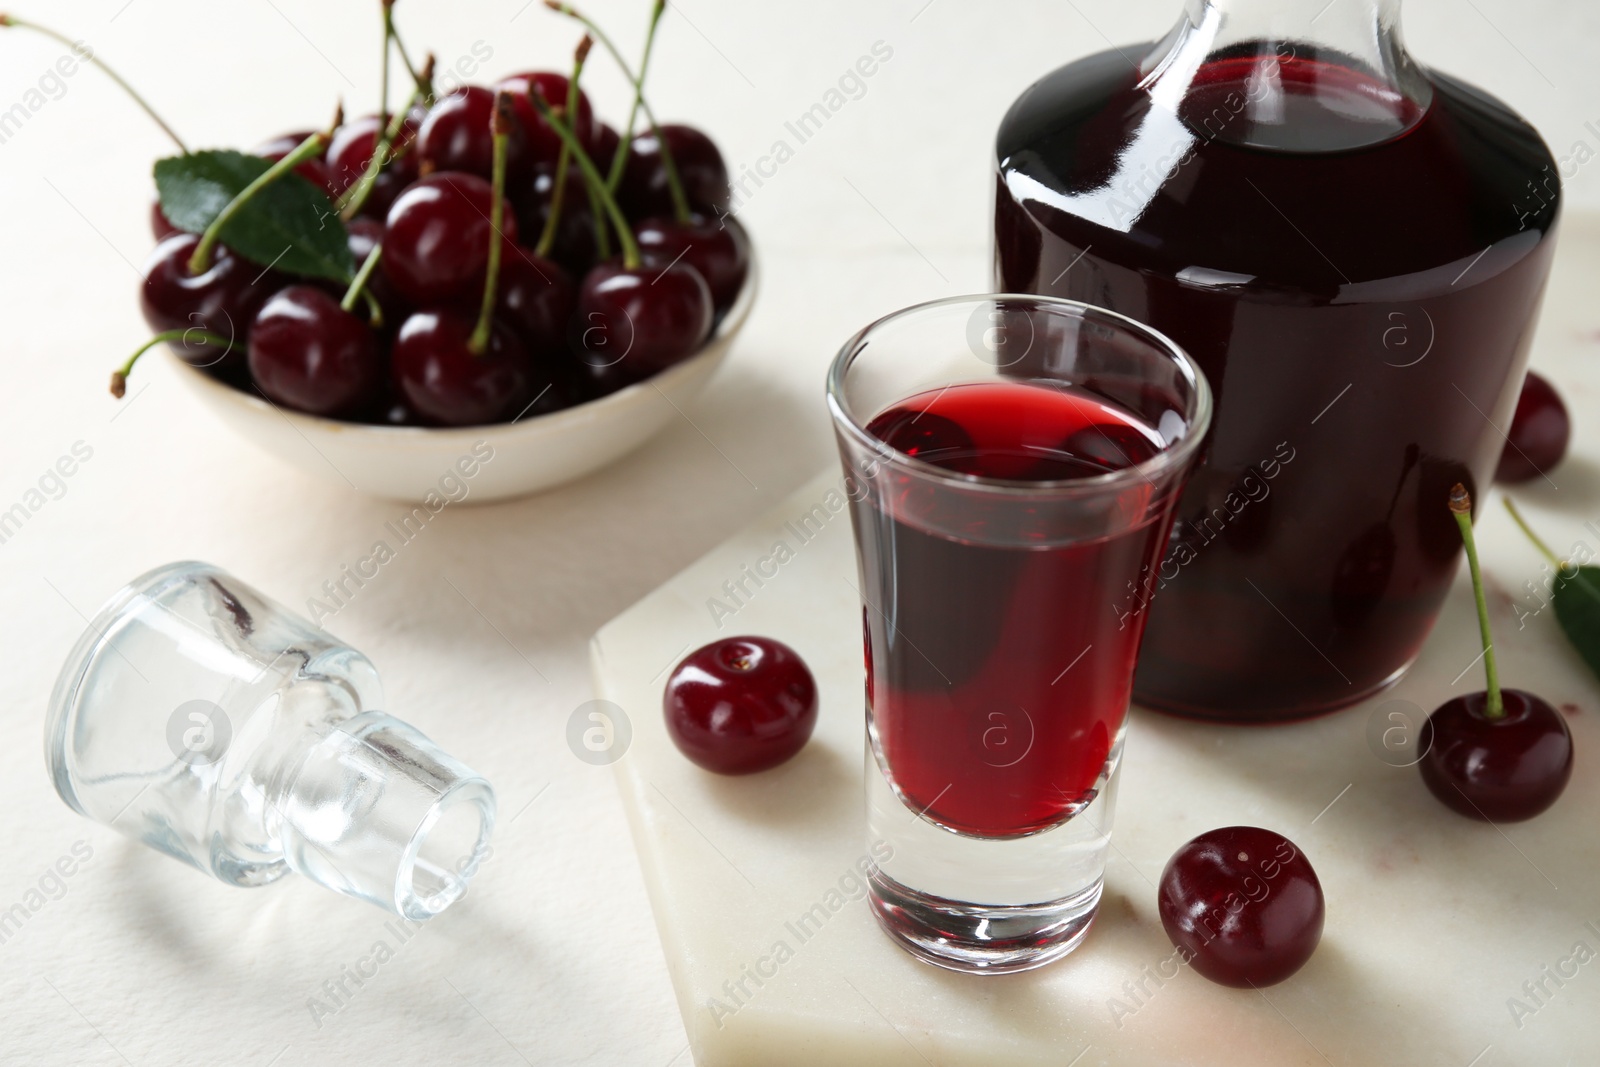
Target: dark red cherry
544, 144
457, 136
160, 225
720, 251
446, 384
351, 151
1539, 433
536, 299
314, 170
1242, 906
309, 354
1500, 770
633, 322
740, 705
645, 191
222, 300
436, 238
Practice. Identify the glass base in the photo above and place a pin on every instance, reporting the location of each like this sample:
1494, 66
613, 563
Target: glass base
981, 940
986, 905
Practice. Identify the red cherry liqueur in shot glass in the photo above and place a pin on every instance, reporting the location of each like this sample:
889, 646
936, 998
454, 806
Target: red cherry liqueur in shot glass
1014, 464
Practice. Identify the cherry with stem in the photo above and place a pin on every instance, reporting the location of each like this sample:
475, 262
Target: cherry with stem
657, 320
558, 191
390, 126
1499, 755
450, 370
680, 201
12, 20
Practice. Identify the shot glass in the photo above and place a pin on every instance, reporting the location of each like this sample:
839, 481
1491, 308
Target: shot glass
1013, 465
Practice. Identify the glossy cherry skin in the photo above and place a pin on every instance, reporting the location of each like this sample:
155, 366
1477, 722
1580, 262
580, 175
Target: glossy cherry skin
1242, 906
740, 705
351, 151
223, 299
314, 169
645, 191
458, 135
445, 383
1498, 770
536, 300
309, 354
1540, 431
720, 251
436, 237
632, 323
543, 143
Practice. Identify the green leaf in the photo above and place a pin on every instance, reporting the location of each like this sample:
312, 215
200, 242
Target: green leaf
1577, 604
290, 224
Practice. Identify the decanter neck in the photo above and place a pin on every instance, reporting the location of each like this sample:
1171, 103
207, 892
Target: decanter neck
1289, 75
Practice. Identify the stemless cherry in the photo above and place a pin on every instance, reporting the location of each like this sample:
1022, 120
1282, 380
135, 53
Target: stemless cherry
1496, 769
223, 299
436, 238
1540, 430
308, 353
645, 190
636, 321
351, 151
543, 143
1242, 906
1500, 755
315, 170
740, 705
445, 383
457, 136
720, 251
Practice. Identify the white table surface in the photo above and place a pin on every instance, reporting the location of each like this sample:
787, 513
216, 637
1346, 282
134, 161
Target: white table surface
480, 625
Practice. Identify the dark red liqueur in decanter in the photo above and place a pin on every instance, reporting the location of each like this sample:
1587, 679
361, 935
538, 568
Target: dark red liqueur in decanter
1353, 248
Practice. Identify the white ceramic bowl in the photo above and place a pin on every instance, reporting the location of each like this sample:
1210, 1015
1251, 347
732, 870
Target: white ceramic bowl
409, 462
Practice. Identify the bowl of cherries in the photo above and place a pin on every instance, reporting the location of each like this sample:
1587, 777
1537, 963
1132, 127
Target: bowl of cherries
378, 301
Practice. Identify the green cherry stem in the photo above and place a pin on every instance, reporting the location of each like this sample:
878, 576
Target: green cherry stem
597, 182
350, 204
310, 148
383, 65
119, 377
1461, 508
421, 78
620, 159
503, 118
558, 194
358, 287
679, 201
1538, 542
86, 53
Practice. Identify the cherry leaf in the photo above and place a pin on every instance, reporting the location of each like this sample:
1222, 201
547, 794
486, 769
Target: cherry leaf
290, 225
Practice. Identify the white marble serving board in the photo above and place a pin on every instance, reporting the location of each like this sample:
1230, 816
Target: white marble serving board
1434, 926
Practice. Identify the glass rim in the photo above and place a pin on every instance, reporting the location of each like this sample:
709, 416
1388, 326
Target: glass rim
1173, 455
